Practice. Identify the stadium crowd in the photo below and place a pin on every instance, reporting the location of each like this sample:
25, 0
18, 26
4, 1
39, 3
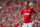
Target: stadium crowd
10, 10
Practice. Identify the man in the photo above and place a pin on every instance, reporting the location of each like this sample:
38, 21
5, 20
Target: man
27, 10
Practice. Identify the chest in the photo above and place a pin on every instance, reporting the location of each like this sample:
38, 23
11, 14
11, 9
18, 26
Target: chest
27, 10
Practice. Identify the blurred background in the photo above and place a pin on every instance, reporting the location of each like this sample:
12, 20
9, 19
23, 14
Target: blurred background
10, 9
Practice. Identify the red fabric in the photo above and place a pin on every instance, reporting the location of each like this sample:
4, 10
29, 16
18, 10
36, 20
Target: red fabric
17, 26
0, 26
38, 3
13, 17
22, 4
7, 6
27, 14
3, 26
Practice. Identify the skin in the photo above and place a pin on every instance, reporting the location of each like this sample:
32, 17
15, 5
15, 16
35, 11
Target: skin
27, 5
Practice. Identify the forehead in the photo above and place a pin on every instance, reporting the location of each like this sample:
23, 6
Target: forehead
26, 2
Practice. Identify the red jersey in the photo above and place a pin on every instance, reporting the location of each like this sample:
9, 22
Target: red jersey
27, 14
3, 26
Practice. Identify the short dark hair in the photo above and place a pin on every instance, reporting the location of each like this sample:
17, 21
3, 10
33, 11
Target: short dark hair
27, 1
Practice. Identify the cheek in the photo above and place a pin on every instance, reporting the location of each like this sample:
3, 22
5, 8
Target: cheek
25, 4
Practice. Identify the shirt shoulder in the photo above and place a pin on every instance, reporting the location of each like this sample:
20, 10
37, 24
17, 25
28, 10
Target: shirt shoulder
31, 8
23, 8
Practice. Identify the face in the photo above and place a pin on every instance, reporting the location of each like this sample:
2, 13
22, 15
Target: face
26, 4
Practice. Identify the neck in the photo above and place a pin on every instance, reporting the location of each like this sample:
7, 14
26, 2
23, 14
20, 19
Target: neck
27, 7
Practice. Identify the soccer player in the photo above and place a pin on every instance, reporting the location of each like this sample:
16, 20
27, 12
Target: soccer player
27, 10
